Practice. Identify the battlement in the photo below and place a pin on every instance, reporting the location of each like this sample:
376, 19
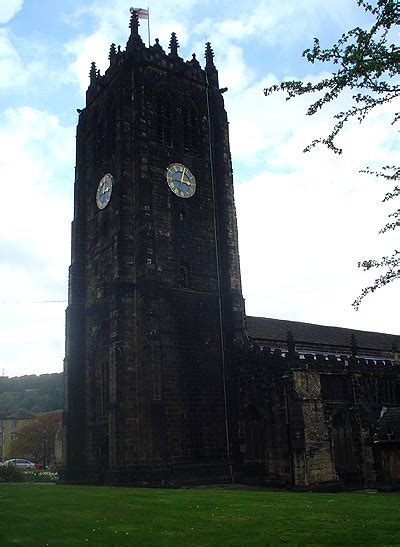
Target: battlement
289, 357
152, 57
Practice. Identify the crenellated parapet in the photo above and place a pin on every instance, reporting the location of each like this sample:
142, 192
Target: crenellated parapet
154, 55
304, 360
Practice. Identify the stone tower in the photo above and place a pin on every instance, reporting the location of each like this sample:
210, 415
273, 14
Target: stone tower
155, 302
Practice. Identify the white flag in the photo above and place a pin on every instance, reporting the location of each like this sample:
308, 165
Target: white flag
140, 12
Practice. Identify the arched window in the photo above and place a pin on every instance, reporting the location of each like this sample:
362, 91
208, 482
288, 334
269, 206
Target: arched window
99, 376
104, 386
191, 127
112, 129
103, 457
93, 121
335, 387
342, 434
101, 136
370, 390
386, 390
253, 435
164, 119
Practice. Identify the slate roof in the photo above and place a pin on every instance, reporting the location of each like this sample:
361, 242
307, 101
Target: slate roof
275, 331
17, 415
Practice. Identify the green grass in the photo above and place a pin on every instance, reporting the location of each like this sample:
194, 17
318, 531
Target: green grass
54, 515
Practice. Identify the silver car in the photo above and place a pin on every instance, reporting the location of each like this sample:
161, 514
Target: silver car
20, 464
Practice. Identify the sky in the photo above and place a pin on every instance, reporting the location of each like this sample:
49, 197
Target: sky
305, 219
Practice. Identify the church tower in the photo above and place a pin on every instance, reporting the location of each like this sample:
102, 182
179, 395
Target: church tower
155, 303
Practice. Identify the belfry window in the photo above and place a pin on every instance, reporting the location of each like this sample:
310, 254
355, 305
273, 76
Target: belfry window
191, 129
101, 135
112, 133
164, 121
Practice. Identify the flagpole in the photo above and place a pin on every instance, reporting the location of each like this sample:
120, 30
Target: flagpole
148, 24
143, 14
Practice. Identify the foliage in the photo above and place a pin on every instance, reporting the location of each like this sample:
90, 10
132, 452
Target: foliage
9, 473
369, 65
44, 477
79, 515
36, 440
366, 62
36, 394
391, 263
7, 402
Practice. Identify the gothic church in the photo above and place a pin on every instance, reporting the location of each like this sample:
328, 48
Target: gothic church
167, 381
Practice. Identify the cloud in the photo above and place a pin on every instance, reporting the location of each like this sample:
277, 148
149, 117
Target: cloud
269, 21
21, 66
12, 70
305, 220
8, 9
87, 49
262, 21
36, 170
30, 338
300, 241
112, 25
37, 165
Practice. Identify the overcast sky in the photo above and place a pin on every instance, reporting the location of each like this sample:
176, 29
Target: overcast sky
305, 220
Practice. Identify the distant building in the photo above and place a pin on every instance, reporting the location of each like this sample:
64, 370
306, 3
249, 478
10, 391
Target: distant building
10, 424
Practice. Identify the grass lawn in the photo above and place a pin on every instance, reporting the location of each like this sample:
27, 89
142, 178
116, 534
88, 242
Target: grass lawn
40, 514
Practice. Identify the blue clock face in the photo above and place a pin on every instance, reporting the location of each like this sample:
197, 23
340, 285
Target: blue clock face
180, 180
104, 190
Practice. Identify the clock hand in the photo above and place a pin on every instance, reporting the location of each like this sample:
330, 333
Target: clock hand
183, 181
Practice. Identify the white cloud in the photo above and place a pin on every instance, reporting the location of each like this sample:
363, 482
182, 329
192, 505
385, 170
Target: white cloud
300, 241
12, 70
305, 220
112, 25
229, 29
36, 169
8, 9
30, 338
86, 50
37, 163
270, 21
264, 21
17, 72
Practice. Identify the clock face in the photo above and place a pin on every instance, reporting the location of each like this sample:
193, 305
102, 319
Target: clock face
180, 180
104, 189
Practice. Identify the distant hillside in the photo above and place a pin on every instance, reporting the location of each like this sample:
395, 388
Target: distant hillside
34, 393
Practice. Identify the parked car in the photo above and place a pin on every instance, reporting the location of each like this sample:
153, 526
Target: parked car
20, 463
